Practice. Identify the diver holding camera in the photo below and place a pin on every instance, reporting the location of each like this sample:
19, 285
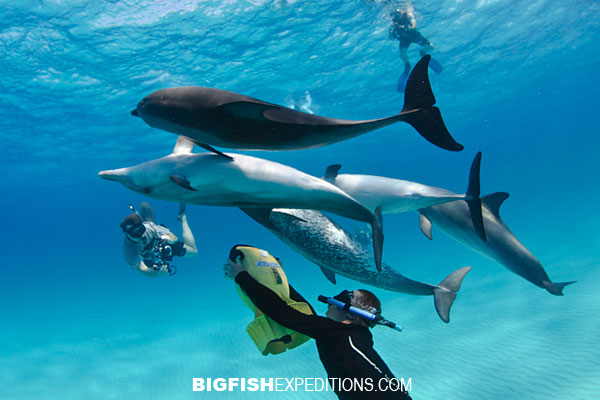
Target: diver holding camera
149, 248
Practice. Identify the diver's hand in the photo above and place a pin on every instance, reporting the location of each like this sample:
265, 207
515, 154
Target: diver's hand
181, 213
232, 268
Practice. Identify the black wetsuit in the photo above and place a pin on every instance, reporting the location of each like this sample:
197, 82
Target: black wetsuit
346, 350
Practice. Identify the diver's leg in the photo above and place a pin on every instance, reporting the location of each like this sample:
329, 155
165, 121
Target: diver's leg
146, 212
188, 237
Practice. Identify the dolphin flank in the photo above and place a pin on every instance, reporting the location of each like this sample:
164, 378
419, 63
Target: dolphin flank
239, 181
214, 117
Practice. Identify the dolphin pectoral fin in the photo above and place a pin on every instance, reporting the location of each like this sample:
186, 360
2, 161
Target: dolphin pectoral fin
182, 181
425, 225
445, 293
379, 215
472, 197
135, 113
183, 145
248, 109
419, 111
332, 172
262, 216
329, 274
377, 242
556, 288
213, 150
493, 202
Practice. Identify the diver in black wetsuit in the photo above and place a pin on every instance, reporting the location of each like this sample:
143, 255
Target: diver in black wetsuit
344, 341
404, 29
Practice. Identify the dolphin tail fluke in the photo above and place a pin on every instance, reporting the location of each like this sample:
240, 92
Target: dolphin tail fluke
473, 200
556, 288
445, 293
419, 111
377, 239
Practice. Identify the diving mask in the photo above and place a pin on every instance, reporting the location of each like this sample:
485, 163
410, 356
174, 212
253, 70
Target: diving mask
135, 231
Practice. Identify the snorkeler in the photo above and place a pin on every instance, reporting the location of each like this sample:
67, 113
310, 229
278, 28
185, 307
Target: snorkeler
344, 341
149, 248
404, 29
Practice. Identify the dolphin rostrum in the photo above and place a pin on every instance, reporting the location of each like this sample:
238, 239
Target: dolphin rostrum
394, 196
214, 117
239, 181
334, 250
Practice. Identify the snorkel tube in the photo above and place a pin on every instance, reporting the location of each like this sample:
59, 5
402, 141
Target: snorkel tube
378, 319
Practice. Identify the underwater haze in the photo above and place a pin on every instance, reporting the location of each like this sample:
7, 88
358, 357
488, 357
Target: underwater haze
520, 83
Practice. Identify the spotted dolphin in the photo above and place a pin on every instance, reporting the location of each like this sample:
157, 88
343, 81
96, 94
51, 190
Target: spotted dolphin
215, 117
334, 250
240, 181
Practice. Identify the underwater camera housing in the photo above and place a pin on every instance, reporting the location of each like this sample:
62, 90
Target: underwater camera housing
162, 255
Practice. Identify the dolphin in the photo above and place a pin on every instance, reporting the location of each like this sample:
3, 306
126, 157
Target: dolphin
394, 196
215, 117
334, 250
456, 218
501, 245
240, 181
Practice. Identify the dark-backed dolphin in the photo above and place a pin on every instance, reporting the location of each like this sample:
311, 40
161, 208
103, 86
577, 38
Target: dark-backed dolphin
334, 250
396, 195
214, 117
501, 245
240, 181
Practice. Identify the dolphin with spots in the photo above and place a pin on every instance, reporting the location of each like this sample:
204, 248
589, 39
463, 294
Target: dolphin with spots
334, 250
455, 218
214, 117
238, 180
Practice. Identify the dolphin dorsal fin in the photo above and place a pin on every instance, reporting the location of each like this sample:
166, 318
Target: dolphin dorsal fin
183, 145
425, 225
332, 172
493, 202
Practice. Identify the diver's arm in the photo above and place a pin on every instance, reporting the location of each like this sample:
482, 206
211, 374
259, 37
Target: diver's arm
150, 272
299, 298
276, 309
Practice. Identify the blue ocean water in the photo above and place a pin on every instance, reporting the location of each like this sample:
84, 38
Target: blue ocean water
520, 84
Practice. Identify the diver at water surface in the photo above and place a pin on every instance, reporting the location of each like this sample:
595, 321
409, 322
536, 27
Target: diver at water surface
343, 338
149, 248
404, 29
